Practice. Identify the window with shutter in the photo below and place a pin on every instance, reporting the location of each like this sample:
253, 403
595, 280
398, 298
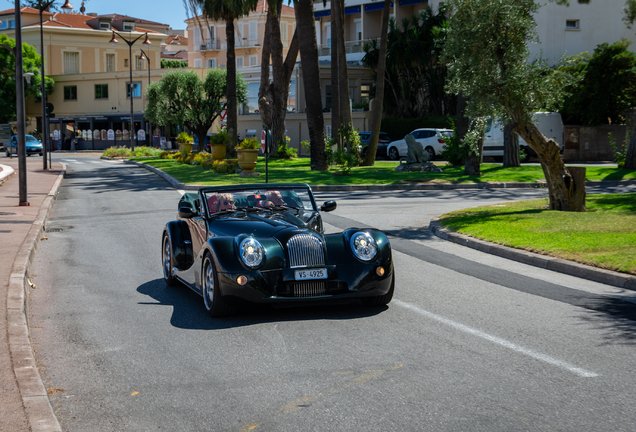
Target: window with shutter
110, 62
253, 30
71, 63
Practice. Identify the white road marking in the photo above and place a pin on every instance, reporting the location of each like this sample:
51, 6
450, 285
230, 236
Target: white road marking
502, 342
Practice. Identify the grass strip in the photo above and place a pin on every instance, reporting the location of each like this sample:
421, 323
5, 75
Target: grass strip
299, 171
604, 236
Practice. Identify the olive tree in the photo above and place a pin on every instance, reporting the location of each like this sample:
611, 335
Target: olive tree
487, 56
182, 98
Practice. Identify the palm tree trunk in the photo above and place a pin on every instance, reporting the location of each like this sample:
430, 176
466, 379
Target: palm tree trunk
343, 79
308, 47
232, 110
378, 103
336, 120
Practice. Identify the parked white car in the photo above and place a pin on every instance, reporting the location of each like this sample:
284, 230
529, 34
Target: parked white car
432, 140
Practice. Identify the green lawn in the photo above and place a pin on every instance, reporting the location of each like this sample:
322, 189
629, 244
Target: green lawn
604, 236
298, 171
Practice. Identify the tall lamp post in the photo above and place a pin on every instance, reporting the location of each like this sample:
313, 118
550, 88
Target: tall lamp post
144, 56
42, 6
113, 42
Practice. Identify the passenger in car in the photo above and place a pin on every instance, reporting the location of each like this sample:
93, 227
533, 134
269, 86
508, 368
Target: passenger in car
226, 202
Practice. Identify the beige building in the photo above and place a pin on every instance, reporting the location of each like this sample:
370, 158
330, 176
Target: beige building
91, 95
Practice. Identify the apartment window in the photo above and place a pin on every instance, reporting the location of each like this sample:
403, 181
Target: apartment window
101, 91
365, 92
197, 37
254, 60
136, 90
11, 24
572, 25
125, 63
70, 93
212, 63
197, 63
253, 30
358, 30
240, 62
291, 97
3, 25
251, 105
110, 62
283, 31
71, 63
139, 63
129, 27
104, 26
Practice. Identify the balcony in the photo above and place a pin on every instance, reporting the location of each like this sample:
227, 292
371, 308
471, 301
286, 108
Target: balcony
351, 47
209, 45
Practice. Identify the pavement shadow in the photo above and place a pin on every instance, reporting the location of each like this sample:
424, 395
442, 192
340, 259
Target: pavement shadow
189, 312
116, 178
616, 317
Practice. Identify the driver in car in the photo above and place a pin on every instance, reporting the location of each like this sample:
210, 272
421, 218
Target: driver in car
225, 201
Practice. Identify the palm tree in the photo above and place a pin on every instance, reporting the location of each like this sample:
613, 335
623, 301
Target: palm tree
303, 9
228, 11
376, 115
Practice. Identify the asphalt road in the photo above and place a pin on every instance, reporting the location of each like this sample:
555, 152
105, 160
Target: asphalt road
470, 341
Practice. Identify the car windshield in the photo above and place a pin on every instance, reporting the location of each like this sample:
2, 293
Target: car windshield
264, 198
30, 138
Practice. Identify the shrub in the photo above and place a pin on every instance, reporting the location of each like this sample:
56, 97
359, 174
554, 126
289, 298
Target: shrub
224, 166
454, 152
117, 152
183, 137
249, 144
620, 153
164, 155
200, 158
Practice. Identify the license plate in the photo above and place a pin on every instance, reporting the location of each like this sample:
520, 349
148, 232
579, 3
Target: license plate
319, 273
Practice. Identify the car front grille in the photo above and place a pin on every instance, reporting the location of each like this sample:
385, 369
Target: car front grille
305, 250
308, 289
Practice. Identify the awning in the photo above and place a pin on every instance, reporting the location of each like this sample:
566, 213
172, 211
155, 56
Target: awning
375, 6
321, 14
353, 10
409, 2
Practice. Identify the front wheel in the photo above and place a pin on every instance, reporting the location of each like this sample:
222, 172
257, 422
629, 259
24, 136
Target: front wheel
394, 154
381, 300
166, 255
214, 303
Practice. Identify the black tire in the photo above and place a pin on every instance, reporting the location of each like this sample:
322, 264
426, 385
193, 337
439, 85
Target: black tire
212, 300
394, 154
167, 264
431, 153
382, 300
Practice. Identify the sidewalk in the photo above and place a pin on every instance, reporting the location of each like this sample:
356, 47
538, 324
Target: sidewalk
24, 403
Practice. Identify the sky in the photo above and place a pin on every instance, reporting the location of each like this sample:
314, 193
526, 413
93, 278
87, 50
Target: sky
171, 12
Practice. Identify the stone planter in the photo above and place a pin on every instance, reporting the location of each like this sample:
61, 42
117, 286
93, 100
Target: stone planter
218, 151
247, 159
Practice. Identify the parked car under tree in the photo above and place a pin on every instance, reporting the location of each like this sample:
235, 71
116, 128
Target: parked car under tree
432, 141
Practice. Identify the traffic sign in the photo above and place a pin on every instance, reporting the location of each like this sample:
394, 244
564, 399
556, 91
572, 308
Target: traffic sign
263, 140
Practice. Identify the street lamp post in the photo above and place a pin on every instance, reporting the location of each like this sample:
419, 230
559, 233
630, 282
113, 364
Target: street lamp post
20, 114
130, 43
144, 56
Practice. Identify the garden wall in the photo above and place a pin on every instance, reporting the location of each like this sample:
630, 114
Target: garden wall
591, 143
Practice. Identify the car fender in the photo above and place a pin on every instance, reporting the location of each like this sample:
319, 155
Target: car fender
224, 250
181, 243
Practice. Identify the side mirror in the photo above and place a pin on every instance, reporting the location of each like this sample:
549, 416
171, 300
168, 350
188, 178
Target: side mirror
186, 212
328, 206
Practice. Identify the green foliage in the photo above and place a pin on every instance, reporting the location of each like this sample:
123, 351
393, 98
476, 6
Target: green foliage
346, 160
225, 166
606, 86
620, 153
414, 77
249, 144
181, 98
31, 63
306, 146
139, 152
283, 151
173, 64
454, 152
487, 55
221, 137
398, 127
184, 138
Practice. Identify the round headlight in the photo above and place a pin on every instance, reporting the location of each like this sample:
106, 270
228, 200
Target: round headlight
252, 252
363, 246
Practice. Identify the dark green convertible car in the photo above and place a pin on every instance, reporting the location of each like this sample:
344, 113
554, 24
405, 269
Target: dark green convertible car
265, 243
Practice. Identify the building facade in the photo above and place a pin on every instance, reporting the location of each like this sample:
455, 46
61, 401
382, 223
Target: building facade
91, 97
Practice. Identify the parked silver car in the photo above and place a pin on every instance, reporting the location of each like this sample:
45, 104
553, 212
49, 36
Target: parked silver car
432, 139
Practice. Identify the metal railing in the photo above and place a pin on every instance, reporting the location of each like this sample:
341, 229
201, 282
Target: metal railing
208, 45
350, 47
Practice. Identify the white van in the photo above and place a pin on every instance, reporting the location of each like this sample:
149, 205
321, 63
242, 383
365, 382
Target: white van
549, 123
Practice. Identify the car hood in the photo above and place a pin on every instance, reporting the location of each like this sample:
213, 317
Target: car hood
264, 224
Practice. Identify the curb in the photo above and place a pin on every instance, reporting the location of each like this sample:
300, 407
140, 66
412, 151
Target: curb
5, 172
35, 399
571, 268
